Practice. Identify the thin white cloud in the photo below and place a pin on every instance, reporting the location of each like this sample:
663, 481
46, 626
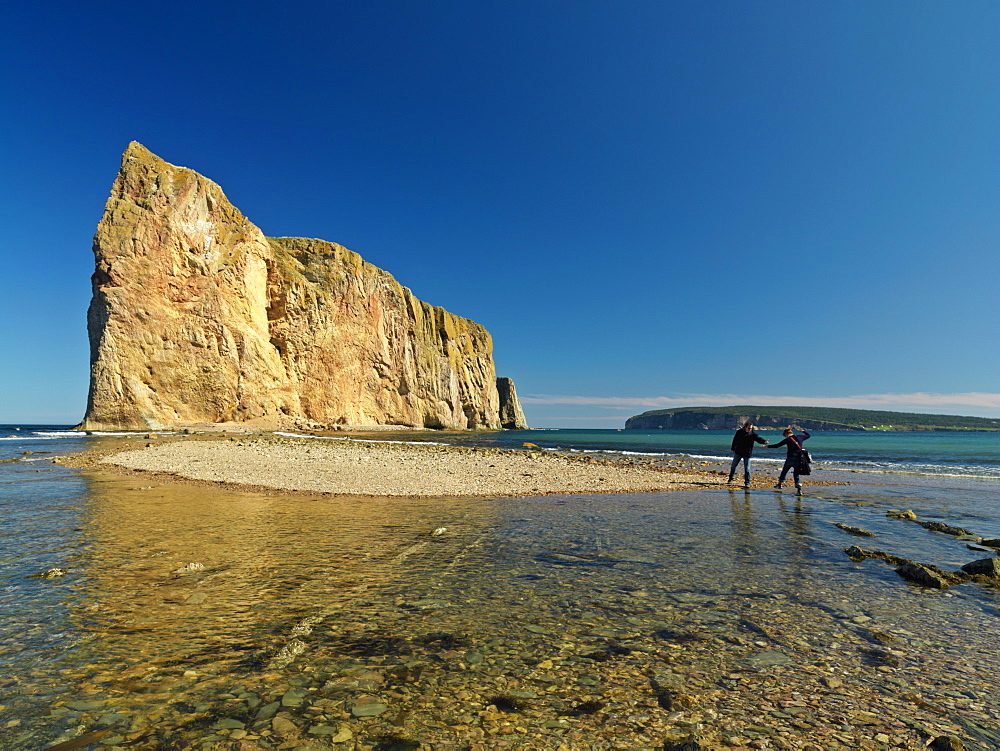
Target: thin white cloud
919, 401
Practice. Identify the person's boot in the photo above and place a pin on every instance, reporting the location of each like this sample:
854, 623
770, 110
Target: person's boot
778, 485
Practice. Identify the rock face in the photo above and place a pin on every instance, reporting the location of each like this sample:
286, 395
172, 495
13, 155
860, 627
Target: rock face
511, 414
713, 421
198, 317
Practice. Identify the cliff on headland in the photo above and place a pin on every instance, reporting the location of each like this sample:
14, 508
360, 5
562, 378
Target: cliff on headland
197, 317
810, 418
727, 421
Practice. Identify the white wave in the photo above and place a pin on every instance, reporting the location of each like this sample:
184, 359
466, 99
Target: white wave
664, 454
618, 452
49, 435
43, 436
919, 470
103, 433
360, 440
755, 459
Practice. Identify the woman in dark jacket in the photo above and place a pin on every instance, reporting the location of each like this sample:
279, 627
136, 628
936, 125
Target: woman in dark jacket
794, 445
742, 448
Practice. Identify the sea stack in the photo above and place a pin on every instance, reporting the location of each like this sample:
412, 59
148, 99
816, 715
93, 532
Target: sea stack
511, 414
198, 317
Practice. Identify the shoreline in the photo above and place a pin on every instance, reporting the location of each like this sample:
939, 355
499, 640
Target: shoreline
265, 462
371, 468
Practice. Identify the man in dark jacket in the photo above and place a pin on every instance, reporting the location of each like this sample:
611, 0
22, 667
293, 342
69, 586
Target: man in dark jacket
742, 449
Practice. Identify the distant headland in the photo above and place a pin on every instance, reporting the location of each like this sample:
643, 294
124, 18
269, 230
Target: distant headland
809, 418
198, 317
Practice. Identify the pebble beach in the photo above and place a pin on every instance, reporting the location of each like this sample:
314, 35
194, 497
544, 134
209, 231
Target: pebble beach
371, 468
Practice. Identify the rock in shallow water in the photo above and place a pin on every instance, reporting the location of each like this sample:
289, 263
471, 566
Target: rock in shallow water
228, 724
856, 531
293, 698
283, 726
766, 659
52, 573
984, 566
368, 706
927, 575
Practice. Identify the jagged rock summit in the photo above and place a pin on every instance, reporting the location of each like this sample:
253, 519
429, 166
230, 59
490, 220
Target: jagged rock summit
197, 317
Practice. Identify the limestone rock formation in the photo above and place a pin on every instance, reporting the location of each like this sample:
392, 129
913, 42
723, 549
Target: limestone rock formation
511, 414
197, 317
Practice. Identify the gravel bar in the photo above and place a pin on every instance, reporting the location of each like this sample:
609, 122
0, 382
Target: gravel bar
354, 467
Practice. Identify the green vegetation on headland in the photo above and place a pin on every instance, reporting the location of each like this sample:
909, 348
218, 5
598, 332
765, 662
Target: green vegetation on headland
811, 418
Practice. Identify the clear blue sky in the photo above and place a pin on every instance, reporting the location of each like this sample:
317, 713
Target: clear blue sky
647, 203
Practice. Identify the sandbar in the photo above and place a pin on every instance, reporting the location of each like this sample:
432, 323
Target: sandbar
369, 468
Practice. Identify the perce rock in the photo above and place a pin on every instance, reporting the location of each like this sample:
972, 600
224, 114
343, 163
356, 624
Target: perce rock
197, 317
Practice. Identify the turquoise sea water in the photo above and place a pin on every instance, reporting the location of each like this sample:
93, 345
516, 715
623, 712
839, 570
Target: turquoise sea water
129, 641
957, 454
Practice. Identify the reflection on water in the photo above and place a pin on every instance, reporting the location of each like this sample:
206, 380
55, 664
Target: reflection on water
193, 615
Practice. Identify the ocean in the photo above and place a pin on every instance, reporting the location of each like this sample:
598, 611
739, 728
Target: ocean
932, 454
176, 616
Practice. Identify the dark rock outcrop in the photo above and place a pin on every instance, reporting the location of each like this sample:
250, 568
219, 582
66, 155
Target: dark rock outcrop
947, 529
985, 571
511, 414
927, 575
856, 531
984, 567
859, 554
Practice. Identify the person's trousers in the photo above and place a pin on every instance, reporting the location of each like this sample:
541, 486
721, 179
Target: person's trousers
791, 463
746, 468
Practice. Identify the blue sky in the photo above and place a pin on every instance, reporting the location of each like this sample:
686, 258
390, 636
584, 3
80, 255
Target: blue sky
648, 204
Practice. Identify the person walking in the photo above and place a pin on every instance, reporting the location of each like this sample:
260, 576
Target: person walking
742, 449
794, 445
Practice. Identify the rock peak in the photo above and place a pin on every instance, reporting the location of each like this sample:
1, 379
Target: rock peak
134, 147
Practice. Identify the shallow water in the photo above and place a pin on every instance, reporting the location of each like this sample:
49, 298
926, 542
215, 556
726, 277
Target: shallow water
935, 453
564, 599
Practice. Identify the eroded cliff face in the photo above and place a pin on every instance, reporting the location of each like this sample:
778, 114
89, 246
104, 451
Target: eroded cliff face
198, 317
